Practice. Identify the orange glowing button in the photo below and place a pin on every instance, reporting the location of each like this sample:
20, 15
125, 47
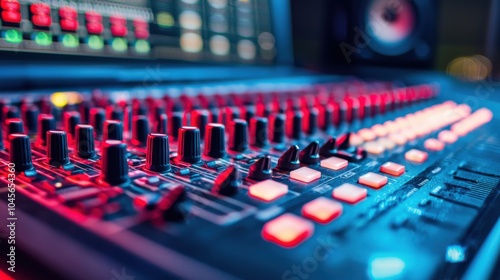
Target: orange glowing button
287, 230
349, 193
267, 190
355, 140
416, 156
373, 180
367, 134
433, 144
392, 168
305, 174
398, 138
334, 163
322, 210
374, 148
379, 130
447, 137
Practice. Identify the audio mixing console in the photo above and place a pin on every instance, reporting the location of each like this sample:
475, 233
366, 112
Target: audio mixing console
344, 180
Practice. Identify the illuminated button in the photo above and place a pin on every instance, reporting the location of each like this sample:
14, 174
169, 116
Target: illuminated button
367, 134
95, 42
447, 137
268, 190
387, 143
349, 193
11, 16
94, 27
142, 46
119, 30
42, 20
334, 163
287, 230
374, 148
433, 144
70, 41
119, 44
379, 130
43, 39
69, 24
398, 138
373, 180
13, 36
409, 134
322, 210
392, 168
416, 156
355, 140
305, 174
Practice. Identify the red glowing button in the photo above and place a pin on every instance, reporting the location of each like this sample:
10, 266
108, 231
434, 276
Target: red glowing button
349, 193
93, 16
373, 180
433, 144
10, 5
416, 156
40, 9
11, 16
94, 28
68, 13
119, 30
42, 20
268, 190
392, 168
447, 137
334, 163
374, 148
69, 24
305, 174
288, 230
322, 210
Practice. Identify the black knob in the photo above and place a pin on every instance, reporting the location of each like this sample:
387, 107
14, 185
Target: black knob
258, 132
20, 152
261, 169
161, 124
249, 112
71, 119
200, 120
45, 123
229, 114
342, 142
169, 205
113, 130
115, 113
157, 153
84, 141
189, 144
84, 109
14, 125
214, 115
31, 119
310, 154
175, 124
228, 182
311, 121
289, 160
10, 112
278, 128
57, 149
215, 143
114, 167
294, 125
238, 135
97, 118
140, 130
326, 117
328, 149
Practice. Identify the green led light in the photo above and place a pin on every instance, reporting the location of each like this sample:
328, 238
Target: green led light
119, 44
142, 46
95, 42
70, 41
13, 36
43, 39
165, 20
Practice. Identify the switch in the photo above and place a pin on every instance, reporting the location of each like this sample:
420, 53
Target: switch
288, 230
268, 190
322, 210
373, 180
305, 174
349, 193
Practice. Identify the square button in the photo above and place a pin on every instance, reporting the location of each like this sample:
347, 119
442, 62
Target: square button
373, 180
287, 230
416, 156
433, 144
322, 210
349, 193
392, 168
305, 174
334, 163
268, 190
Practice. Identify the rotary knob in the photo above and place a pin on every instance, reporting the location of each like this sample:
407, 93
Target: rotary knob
113, 130
238, 136
45, 123
20, 153
157, 152
189, 144
84, 141
215, 143
114, 167
57, 149
140, 130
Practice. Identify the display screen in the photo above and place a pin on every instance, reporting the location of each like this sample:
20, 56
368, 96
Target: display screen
203, 30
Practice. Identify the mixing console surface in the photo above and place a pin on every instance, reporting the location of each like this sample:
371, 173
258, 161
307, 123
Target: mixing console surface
348, 180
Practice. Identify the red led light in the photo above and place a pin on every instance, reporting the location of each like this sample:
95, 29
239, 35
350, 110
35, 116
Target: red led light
287, 230
322, 210
11, 16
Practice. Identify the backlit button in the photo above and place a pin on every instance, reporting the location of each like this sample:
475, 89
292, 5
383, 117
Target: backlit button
374, 148
409, 134
287, 230
398, 138
349, 193
334, 163
355, 140
322, 210
392, 168
416, 156
367, 134
268, 190
373, 180
379, 130
433, 144
387, 143
305, 174
447, 137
